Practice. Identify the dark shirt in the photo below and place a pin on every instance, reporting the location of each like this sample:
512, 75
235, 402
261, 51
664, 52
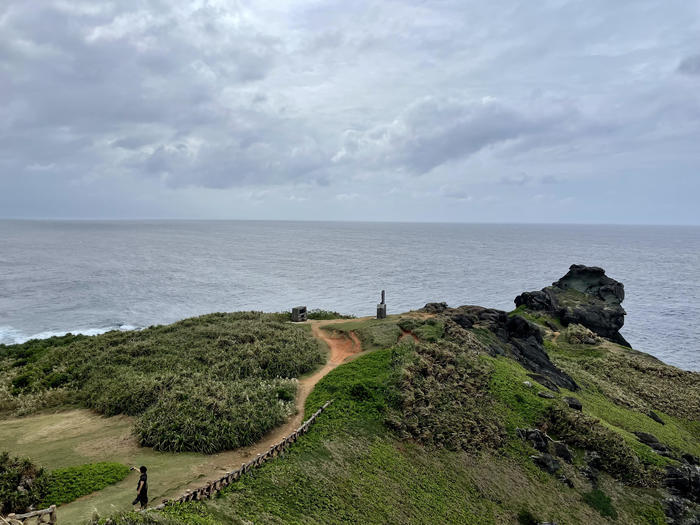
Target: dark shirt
144, 489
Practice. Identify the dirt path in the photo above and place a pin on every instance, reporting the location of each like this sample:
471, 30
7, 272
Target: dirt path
173, 473
340, 350
405, 334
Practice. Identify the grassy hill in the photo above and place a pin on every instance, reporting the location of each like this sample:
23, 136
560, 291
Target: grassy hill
433, 432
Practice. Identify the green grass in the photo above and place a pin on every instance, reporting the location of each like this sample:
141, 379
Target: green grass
520, 406
537, 317
68, 484
600, 502
374, 334
204, 384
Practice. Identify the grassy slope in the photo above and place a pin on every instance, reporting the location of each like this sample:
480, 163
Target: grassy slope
352, 468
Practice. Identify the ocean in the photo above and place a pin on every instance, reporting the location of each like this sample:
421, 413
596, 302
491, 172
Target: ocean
93, 276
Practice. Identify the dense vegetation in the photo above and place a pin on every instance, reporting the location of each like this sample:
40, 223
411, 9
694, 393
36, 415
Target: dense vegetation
24, 484
426, 433
203, 384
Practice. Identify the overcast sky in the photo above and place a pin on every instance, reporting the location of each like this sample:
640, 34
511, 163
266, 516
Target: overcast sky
500, 111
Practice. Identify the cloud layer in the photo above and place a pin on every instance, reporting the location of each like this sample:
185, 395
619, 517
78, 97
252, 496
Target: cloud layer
397, 110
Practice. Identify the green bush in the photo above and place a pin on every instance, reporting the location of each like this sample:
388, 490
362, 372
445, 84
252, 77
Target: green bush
68, 484
324, 315
22, 484
600, 502
207, 416
231, 372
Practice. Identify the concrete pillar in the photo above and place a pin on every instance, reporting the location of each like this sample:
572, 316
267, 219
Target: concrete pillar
381, 308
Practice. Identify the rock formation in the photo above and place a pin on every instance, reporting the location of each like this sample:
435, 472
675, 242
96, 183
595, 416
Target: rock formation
516, 337
585, 296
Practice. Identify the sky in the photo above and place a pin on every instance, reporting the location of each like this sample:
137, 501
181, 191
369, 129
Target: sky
554, 111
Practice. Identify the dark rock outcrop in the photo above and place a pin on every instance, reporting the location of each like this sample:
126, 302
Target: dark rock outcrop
434, 308
547, 462
684, 481
680, 511
653, 415
585, 296
516, 337
536, 438
561, 450
573, 403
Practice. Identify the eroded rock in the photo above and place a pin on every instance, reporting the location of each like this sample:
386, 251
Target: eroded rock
585, 296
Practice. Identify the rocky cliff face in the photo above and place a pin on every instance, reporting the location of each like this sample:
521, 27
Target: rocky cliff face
585, 296
513, 336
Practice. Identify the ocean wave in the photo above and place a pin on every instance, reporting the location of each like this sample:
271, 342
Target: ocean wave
12, 336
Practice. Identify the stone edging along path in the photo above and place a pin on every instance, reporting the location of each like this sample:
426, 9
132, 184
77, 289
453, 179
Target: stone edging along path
214, 487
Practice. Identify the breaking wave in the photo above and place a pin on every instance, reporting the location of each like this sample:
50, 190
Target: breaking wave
12, 336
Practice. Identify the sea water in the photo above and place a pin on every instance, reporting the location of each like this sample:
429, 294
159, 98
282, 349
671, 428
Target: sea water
93, 276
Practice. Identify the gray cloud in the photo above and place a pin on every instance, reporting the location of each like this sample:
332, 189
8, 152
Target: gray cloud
690, 65
167, 108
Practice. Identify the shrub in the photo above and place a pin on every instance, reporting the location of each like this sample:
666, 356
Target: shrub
22, 484
442, 397
326, 315
586, 432
600, 502
207, 415
68, 484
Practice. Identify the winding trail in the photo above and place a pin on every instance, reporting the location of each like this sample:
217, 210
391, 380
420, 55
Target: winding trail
214, 466
340, 350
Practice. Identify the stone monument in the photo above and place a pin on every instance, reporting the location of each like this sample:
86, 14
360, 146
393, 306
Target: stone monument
381, 308
299, 314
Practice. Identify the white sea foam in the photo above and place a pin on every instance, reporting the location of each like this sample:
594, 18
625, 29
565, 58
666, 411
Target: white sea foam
12, 336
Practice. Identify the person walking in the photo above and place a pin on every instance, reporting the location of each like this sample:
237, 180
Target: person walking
141, 488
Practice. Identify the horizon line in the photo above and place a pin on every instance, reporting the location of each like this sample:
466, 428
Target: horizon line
175, 219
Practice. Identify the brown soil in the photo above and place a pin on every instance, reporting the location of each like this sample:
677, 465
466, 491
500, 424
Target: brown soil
407, 335
341, 348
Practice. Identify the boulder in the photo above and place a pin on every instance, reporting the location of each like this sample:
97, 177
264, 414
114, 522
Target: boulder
434, 308
536, 438
562, 451
684, 481
547, 462
653, 415
574, 403
646, 438
585, 296
679, 511
690, 459
546, 395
